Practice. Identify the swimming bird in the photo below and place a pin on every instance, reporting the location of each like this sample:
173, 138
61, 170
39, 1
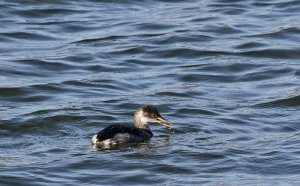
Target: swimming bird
137, 133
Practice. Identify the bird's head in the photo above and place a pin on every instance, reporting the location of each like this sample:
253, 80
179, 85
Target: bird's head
149, 114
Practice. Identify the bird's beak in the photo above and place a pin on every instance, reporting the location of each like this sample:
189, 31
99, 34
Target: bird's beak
164, 122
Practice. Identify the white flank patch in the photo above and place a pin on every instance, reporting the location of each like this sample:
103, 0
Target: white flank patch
94, 139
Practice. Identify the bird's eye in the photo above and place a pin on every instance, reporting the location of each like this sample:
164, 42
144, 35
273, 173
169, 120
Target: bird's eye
154, 115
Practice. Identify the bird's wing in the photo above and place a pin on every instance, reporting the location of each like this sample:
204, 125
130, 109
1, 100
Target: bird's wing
112, 130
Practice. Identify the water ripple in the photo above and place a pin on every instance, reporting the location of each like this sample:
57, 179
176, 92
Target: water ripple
225, 73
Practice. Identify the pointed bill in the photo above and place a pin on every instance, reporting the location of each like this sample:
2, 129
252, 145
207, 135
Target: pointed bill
164, 122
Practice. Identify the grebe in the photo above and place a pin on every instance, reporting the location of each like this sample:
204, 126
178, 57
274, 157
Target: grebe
139, 132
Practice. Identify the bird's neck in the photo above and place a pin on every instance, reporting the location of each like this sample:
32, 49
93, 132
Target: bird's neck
140, 122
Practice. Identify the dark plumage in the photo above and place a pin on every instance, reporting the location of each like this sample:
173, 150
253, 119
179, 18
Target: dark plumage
111, 131
139, 132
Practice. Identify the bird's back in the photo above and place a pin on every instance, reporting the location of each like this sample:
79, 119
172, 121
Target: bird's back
112, 130
119, 134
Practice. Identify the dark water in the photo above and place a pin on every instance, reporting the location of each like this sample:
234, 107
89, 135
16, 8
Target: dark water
226, 73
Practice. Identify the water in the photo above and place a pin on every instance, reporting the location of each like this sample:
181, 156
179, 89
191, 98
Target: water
226, 74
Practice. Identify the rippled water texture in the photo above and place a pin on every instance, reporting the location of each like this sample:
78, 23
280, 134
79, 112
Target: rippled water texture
225, 72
